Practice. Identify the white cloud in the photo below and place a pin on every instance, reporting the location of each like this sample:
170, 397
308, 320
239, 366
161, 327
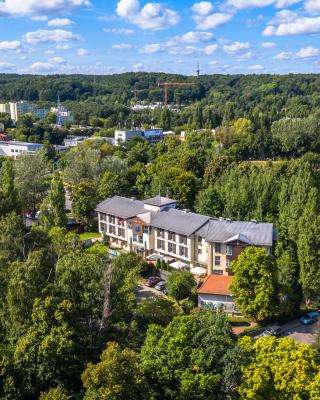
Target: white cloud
196, 37
236, 47
42, 66
10, 45
122, 46
282, 56
240, 4
256, 67
82, 52
39, 18
208, 50
63, 46
153, 16
150, 48
45, 36
268, 45
284, 16
302, 25
57, 60
202, 8
5, 66
312, 6
49, 52
137, 67
212, 21
36, 7
246, 56
60, 22
308, 52
120, 31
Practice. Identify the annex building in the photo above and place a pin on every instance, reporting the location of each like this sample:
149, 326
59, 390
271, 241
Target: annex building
156, 226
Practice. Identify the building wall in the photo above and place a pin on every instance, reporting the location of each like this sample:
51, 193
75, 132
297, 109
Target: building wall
194, 250
214, 300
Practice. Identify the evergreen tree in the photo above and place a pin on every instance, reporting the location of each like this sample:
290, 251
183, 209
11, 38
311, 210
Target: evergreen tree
53, 207
308, 244
8, 193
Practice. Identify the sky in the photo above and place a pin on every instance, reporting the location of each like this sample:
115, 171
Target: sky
115, 36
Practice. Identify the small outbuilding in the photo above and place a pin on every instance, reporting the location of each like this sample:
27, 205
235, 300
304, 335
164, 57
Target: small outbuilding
215, 293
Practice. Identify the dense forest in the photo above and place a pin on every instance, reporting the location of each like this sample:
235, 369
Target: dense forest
71, 325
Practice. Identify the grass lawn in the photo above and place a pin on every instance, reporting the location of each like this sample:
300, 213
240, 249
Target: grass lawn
89, 235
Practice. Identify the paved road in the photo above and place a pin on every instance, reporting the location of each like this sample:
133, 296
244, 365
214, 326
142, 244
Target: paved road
302, 333
146, 291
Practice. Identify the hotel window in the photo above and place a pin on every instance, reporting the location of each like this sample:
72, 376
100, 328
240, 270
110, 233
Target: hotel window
161, 244
160, 233
199, 239
217, 261
145, 229
102, 217
183, 239
171, 236
229, 250
112, 230
183, 251
137, 239
228, 263
120, 222
171, 248
217, 272
112, 219
217, 248
103, 227
130, 225
199, 251
121, 232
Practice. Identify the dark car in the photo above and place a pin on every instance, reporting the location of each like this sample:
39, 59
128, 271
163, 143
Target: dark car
152, 281
309, 318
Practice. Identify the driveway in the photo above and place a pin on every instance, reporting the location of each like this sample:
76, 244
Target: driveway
146, 291
301, 333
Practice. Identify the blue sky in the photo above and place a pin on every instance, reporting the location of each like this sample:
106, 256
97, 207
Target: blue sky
114, 36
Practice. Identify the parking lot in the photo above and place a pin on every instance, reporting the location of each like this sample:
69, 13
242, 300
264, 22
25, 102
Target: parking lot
146, 291
302, 333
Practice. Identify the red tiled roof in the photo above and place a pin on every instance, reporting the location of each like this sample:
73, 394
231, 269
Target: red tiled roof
216, 284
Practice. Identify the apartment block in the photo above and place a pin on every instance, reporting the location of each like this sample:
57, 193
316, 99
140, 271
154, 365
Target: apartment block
15, 148
156, 226
153, 135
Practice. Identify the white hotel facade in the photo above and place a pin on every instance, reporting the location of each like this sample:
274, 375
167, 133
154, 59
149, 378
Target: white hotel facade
156, 226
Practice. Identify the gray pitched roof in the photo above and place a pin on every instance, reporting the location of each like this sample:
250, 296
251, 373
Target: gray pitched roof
159, 201
185, 223
224, 231
121, 207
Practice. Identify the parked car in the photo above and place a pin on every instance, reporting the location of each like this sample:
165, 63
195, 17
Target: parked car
274, 330
309, 318
160, 285
152, 281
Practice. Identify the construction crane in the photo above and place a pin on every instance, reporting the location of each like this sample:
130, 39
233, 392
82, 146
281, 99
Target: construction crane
166, 86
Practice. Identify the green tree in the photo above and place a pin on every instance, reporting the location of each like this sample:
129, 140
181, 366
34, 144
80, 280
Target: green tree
8, 192
254, 285
116, 377
184, 360
48, 355
165, 120
158, 310
27, 280
279, 369
57, 393
53, 207
308, 245
84, 200
31, 180
181, 284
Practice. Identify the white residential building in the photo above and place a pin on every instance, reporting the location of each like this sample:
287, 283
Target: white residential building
14, 148
156, 226
152, 135
63, 115
17, 109
5, 108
